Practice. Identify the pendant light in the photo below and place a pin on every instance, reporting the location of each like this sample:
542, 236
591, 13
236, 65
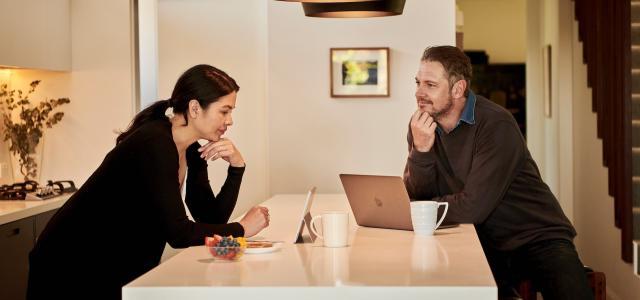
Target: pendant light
323, 1
351, 8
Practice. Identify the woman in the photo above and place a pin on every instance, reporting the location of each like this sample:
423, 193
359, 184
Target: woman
115, 227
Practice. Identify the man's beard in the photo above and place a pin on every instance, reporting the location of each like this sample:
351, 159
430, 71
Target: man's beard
436, 115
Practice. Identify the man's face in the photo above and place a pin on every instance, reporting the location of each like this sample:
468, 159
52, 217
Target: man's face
432, 89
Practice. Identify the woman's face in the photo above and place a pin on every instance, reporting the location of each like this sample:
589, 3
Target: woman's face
212, 122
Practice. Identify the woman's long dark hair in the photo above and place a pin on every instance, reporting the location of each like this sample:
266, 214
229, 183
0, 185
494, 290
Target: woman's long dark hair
203, 83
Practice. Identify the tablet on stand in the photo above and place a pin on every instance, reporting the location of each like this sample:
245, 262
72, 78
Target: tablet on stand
305, 219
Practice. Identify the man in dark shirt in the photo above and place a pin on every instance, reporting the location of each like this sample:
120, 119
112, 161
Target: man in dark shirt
469, 152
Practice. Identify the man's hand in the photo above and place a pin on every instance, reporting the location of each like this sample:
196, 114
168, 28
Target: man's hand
423, 129
223, 148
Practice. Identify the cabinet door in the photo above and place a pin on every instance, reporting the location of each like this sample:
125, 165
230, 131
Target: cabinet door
41, 221
36, 34
16, 240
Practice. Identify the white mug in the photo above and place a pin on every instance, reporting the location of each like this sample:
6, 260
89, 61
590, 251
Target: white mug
335, 228
424, 216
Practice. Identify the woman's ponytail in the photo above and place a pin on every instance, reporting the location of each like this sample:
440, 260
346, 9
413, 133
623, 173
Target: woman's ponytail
155, 111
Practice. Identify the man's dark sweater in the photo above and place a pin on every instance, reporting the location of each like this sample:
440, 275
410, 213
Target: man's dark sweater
484, 170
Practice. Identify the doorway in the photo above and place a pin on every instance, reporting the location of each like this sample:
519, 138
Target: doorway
493, 34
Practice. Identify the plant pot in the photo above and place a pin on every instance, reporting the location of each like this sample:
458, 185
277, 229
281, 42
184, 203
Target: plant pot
19, 171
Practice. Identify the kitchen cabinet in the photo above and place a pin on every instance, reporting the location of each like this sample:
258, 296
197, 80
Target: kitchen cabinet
16, 241
36, 34
40, 222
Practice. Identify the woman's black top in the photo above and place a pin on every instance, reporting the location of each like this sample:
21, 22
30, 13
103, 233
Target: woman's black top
115, 227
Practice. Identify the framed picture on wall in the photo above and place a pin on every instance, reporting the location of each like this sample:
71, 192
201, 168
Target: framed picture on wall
547, 80
359, 72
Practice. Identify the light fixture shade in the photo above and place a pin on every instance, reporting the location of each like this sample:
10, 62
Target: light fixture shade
325, 1
358, 9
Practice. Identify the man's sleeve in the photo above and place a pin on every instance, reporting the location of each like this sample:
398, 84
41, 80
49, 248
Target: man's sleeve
500, 151
420, 172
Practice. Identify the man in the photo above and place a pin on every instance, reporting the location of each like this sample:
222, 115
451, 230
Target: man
469, 152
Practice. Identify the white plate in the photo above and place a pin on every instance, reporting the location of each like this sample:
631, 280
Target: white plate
275, 247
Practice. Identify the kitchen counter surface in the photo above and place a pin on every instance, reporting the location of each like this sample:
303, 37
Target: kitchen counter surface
377, 264
13, 210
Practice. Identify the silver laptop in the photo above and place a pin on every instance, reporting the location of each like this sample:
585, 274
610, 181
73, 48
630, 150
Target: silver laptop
378, 201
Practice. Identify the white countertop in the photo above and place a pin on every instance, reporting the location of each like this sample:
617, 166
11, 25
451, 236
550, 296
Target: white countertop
377, 264
13, 210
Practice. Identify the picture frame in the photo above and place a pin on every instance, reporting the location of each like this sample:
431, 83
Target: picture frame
359, 72
547, 80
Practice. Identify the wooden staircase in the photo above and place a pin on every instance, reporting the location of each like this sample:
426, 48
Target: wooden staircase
635, 114
610, 33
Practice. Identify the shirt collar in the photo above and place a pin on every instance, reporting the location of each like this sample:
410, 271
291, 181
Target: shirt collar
468, 113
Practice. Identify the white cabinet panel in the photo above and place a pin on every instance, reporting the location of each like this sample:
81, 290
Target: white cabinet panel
35, 34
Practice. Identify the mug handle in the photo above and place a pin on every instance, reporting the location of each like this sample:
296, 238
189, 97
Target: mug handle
446, 207
313, 225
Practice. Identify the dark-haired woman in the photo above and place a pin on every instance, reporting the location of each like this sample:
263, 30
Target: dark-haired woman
115, 227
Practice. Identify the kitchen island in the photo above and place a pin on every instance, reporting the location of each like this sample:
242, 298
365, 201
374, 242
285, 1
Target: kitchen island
377, 264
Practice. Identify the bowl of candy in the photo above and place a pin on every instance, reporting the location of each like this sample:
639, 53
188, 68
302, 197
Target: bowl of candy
225, 248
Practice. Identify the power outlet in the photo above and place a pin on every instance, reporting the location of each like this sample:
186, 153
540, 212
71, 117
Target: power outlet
636, 257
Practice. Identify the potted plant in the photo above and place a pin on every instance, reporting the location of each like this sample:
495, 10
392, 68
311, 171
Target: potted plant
24, 124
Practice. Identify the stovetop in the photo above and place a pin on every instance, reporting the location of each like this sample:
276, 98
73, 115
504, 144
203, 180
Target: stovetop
30, 190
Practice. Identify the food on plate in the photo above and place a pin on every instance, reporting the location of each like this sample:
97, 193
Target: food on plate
258, 244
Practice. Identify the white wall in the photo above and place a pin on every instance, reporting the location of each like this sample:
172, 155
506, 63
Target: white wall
496, 26
535, 104
551, 127
312, 137
549, 137
598, 239
231, 36
147, 58
100, 88
563, 94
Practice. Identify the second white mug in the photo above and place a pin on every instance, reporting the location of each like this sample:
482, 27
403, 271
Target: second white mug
424, 216
335, 228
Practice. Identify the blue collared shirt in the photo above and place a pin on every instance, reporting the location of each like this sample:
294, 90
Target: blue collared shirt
468, 113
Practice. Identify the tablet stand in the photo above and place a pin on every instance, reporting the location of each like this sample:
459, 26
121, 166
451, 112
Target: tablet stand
306, 223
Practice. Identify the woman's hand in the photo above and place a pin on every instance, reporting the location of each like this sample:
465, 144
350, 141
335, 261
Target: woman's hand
256, 219
223, 148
